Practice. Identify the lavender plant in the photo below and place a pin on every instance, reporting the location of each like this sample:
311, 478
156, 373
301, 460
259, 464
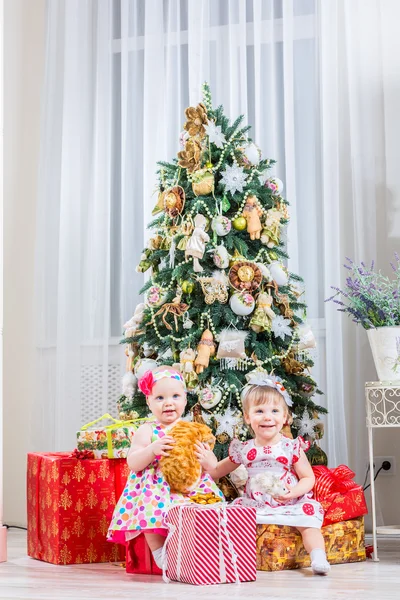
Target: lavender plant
369, 297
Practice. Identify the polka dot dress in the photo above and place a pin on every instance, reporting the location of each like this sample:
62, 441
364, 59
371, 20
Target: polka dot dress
146, 499
277, 460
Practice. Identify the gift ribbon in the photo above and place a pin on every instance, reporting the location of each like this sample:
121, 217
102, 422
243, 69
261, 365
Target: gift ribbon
223, 524
333, 481
109, 428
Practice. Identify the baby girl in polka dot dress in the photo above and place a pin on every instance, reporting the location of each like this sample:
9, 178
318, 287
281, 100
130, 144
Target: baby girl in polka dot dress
147, 498
270, 456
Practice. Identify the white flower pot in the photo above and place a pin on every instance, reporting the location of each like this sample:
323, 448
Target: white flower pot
385, 346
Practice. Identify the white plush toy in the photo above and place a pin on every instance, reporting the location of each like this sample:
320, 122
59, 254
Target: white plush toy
268, 483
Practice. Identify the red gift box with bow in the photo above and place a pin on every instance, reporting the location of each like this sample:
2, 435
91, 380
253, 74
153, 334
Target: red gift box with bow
340, 497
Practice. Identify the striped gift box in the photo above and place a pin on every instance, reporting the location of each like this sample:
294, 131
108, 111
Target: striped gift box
211, 544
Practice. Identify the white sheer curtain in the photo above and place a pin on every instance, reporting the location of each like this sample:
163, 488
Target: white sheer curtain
119, 76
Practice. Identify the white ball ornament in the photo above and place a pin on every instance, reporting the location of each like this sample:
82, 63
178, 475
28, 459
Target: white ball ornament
278, 273
264, 270
143, 365
242, 304
221, 225
275, 185
252, 153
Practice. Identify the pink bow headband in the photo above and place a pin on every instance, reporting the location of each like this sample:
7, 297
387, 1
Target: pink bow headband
148, 380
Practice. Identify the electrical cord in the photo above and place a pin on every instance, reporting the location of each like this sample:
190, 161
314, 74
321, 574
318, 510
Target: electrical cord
14, 527
376, 475
366, 477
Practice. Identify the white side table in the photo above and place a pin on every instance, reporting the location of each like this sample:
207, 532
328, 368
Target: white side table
383, 410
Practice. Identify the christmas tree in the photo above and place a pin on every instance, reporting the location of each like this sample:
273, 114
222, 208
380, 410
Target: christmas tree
219, 302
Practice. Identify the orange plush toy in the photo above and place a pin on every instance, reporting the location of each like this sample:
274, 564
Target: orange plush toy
181, 468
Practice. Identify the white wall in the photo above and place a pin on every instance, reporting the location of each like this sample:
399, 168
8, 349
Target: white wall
24, 39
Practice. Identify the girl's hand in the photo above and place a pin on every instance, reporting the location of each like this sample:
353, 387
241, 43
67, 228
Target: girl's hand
207, 458
286, 497
162, 446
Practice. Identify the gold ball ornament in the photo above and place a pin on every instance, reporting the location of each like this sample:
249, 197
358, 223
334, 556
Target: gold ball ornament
187, 287
246, 273
239, 223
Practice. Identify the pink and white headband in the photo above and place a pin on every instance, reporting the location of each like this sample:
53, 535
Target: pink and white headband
148, 380
262, 378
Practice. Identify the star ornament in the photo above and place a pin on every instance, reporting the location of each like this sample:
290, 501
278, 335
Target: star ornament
234, 178
227, 422
281, 327
215, 134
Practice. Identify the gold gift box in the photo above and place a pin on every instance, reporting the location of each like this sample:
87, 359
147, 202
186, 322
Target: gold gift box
280, 546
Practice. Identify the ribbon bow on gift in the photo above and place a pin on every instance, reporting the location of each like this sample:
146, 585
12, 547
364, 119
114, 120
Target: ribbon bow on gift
82, 454
333, 481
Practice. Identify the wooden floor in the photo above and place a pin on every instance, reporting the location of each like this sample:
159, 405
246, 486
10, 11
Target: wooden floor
22, 578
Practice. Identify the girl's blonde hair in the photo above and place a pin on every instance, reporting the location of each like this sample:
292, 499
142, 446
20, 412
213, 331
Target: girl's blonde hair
264, 394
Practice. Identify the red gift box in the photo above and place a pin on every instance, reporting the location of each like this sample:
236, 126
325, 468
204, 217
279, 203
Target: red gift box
70, 505
139, 558
341, 498
211, 544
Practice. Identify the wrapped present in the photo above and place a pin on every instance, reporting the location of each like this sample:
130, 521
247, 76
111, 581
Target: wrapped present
210, 544
70, 504
280, 546
109, 441
341, 498
139, 558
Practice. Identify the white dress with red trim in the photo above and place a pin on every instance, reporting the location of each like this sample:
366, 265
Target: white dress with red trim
278, 460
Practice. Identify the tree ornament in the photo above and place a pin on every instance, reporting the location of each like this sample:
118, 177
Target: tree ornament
156, 295
316, 456
239, 223
190, 157
221, 257
203, 182
307, 389
196, 245
187, 322
251, 154
187, 287
233, 178
132, 326
245, 275
221, 225
291, 365
263, 315
228, 422
205, 349
129, 384
154, 243
222, 438
175, 308
305, 424
215, 134
307, 339
281, 327
174, 201
231, 349
196, 119
159, 207
209, 396
264, 270
225, 204
270, 234
275, 185
213, 289
252, 213
242, 304
186, 359
278, 273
